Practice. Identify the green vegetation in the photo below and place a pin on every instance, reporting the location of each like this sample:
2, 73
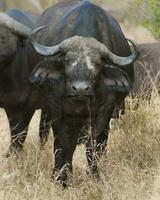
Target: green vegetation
151, 15
36, 6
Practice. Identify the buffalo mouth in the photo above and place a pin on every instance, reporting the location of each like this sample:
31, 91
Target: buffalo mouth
80, 94
80, 97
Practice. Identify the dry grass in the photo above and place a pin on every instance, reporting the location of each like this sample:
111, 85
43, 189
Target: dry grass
129, 171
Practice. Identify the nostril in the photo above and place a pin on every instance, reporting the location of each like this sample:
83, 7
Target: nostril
80, 87
87, 88
74, 88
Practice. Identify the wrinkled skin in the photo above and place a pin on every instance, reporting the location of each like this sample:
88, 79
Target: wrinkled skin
16, 93
81, 88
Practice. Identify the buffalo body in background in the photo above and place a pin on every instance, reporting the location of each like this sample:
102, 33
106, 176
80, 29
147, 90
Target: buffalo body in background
15, 90
147, 70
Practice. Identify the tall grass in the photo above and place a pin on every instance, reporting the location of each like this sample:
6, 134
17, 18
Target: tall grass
130, 170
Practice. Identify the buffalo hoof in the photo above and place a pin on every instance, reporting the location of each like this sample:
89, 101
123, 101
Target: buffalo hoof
94, 174
95, 177
43, 142
13, 151
42, 147
62, 180
61, 176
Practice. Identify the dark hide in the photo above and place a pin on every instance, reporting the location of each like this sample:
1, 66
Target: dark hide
110, 85
147, 70
17, 96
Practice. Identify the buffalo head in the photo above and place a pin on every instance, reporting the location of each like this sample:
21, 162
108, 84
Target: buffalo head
82, 62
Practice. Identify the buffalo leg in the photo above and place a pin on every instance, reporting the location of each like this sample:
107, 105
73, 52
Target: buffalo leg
119, 109
44, 127
98, 138
18, 122
66, 135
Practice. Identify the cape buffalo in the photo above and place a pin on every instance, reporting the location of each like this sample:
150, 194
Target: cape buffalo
84, 66
147, 70
15, 90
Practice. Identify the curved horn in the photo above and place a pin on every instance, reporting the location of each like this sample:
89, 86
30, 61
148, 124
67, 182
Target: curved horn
64, 45
45, 50
14, 25
122, 61
134, 48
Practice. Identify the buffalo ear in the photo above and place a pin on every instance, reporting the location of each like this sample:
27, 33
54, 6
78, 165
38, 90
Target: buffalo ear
46, 72
116, 79
8, 44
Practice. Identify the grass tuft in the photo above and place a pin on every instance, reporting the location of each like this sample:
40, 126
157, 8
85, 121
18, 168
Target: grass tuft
129, 170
